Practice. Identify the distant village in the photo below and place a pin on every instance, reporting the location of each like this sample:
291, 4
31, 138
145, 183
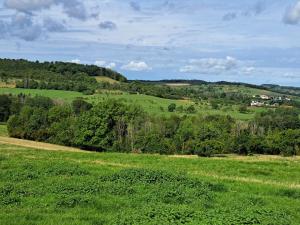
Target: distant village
268, 101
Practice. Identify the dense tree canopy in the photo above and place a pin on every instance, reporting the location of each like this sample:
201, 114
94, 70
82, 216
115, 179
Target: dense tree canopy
55, 75
113, 126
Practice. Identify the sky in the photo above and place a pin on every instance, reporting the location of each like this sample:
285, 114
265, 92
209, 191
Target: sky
243, 41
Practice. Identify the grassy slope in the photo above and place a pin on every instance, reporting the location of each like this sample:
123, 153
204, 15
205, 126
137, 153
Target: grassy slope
248, 90
42, 187
106, 79
55, 94
154, 105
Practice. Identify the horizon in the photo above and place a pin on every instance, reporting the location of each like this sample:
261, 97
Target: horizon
255, 42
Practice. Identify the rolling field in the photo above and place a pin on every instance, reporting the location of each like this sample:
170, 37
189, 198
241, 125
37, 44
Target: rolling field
150, 104
54, 94
248, 90
106, 79
60, 187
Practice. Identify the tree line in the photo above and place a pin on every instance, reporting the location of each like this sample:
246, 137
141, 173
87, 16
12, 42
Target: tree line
55, 75
116, 127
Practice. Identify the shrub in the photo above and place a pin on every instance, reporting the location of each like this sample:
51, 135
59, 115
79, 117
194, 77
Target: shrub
172, 107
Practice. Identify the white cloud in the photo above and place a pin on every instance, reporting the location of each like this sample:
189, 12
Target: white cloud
136, 66
248, 70
73, 8
21, 26
77, 61
292, 14
102, 63
210, 65
111, 65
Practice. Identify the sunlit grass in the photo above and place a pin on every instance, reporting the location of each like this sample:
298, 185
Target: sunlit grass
39, 187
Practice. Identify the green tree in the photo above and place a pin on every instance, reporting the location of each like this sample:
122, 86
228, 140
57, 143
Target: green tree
191, 109
5, 104
172, 107
79, 106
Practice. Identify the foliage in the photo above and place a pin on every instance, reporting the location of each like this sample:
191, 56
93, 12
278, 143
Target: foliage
5, 103
79, 106
111, 125
55, 75
172, 107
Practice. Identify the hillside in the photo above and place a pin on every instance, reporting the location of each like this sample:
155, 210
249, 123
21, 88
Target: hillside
46, 187
154, 105
287, 90
102, 114
54, 75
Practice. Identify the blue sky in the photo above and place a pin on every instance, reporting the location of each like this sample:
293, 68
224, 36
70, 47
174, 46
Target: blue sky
249, 41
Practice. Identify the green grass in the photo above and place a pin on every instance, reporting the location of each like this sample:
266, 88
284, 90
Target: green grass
44, 187
3, 130
151, 104
106, 79
54, 94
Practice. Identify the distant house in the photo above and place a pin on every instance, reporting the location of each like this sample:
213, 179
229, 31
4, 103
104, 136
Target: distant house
257, 104
265, 97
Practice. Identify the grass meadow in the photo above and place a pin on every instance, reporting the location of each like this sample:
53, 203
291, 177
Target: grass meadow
53, 187
150, 104
54, 94
106, 79
3, 130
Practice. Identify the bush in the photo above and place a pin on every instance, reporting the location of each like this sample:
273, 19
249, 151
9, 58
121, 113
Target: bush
288, 151
172, 107
191, 109
209, 147
5, 104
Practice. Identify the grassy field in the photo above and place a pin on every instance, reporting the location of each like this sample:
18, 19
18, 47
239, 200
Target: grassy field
106, 79
3, 130
54, 94
153, 105
51, 187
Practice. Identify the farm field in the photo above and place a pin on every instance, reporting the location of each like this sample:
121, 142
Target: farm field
248, 90
54, 94
150, 104
106, 79
60, 187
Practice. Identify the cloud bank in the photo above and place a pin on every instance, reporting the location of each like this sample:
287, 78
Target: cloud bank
105, 64
292, 14
108, 25
73, 8
136, 66
210, 65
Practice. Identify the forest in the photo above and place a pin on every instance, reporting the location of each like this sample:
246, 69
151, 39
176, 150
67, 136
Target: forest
112, 126
54, 75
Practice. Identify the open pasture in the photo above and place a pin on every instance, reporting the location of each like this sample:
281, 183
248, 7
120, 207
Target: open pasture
150, 104
48, 187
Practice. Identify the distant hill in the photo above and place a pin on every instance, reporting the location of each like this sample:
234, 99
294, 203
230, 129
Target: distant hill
55, 75
287, 90
20, 68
